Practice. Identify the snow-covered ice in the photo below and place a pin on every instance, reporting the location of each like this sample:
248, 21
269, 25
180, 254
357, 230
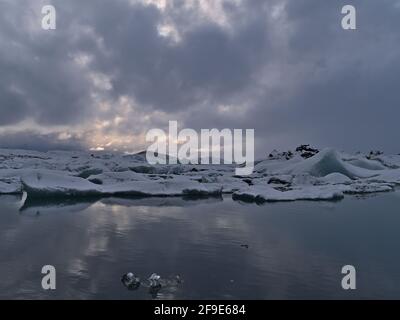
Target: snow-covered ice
304, 174
48, 184
268, 193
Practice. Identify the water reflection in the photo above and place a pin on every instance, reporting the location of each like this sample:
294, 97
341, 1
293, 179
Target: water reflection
221, 248
37, 206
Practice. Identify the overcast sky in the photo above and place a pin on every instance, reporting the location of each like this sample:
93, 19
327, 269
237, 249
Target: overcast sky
114, 69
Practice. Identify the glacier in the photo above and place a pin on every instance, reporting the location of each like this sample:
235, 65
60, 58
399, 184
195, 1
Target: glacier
289, 176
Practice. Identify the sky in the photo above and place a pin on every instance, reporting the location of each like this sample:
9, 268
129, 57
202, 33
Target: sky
114, 69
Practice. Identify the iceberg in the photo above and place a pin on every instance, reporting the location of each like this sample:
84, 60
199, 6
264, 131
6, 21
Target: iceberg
41, 184
9, 188
326, 162
304, 174
270, 194
52, 184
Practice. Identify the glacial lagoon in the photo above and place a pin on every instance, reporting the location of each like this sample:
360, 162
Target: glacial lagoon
219, 248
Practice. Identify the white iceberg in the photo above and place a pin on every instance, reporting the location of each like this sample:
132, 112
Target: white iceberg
268, 193
326, 162
301, 175
55, 184
48, 184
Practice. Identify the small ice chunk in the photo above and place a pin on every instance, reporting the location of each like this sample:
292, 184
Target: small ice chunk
131, 281
154, 280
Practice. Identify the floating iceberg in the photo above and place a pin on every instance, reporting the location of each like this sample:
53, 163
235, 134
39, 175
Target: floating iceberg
42, 184
269, 194
304, 174
9, 188
327, 162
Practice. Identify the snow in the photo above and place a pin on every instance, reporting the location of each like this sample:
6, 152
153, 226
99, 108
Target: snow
52, 184
268, 193
9, 188
335, 178
41, 184
326, 162
390, 176
287, 176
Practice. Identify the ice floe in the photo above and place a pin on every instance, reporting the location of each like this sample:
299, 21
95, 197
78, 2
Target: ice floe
41, 184
304, 174
268, 193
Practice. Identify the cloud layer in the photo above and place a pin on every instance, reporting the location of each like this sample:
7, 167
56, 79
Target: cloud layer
114, 69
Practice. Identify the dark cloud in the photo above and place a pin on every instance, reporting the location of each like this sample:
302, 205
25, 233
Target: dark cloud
208, 64
38, 79
348, 97
285, 68
33, 140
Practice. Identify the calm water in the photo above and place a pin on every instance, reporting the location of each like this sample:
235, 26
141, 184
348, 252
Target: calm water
296, 250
